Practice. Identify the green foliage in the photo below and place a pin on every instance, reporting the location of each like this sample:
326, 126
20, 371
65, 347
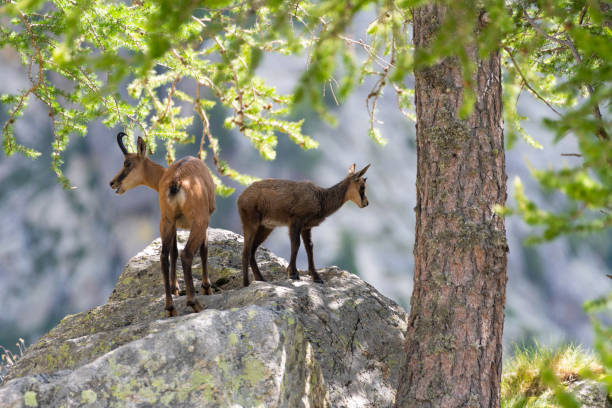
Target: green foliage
559, 51
576, 219
603, 336
160, 52
538, 376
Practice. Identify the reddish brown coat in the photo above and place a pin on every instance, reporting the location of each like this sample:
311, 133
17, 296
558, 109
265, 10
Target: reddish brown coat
186, 200
300, 205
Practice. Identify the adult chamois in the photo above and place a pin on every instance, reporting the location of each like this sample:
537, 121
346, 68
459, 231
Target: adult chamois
300, 205
186, 200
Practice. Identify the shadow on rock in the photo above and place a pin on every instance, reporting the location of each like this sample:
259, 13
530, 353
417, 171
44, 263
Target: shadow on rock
279, 343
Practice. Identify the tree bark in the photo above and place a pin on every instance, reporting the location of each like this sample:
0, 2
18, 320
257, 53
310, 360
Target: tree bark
454, 339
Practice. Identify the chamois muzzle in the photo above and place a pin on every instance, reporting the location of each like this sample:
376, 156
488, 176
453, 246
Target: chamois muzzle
116, 185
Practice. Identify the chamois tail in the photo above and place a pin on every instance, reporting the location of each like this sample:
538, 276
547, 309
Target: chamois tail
174, 188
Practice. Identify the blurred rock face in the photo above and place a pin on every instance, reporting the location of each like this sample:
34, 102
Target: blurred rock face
62, 251
279, 343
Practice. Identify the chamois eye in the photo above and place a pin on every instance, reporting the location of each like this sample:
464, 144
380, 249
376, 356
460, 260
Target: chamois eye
127, 163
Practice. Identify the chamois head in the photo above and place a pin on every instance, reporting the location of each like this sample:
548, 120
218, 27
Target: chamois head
132, 173
356, 191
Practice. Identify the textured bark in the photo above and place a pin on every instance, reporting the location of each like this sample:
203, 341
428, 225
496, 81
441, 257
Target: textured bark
454, 347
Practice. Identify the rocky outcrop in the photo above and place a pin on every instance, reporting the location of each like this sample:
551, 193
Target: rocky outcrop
279, 343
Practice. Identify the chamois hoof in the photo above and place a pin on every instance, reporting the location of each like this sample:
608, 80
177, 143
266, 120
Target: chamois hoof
175, 291
206, 290
318, 280
294, 276
182, 292
195, 305
171, 312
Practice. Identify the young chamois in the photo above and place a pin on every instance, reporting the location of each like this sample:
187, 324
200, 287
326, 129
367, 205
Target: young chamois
186, 200
300, 205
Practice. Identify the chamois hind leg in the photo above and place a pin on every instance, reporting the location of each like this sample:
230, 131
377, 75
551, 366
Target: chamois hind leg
249, 236
196, 237
204, 255
174, 286
168, 231
307, 238
260, 236
294, 236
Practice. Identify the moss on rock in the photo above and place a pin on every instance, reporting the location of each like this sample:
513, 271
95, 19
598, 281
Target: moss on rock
275, 343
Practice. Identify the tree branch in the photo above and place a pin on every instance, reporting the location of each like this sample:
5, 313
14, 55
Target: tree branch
238, 112
206, 134
518, 69
368, 48
583, 13
601, 132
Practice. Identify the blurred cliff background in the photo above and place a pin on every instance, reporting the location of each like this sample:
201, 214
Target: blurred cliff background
61, 251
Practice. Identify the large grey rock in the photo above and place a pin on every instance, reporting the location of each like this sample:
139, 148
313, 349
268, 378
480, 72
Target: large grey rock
590, 394
279, 343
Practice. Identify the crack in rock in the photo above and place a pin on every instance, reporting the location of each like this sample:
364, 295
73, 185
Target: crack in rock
279, 343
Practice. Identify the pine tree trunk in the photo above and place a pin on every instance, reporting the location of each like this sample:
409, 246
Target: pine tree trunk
454, 341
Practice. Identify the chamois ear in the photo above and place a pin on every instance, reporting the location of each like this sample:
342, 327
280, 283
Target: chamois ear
362, 171
142, 147
351, 170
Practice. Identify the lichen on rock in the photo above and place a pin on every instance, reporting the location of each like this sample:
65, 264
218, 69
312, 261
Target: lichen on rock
279, 343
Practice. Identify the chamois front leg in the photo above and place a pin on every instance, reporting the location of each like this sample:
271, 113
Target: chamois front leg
294, 235
174, 286
307, 238
168, 231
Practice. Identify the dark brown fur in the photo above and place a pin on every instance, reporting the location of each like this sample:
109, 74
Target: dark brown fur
186, 200
300, 205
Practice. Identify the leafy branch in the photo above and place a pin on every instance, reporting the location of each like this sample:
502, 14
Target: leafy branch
567, 42
97, 45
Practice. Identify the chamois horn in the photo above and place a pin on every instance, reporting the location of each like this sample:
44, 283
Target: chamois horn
120, 137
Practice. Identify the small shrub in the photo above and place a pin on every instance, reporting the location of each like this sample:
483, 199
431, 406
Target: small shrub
537, 377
